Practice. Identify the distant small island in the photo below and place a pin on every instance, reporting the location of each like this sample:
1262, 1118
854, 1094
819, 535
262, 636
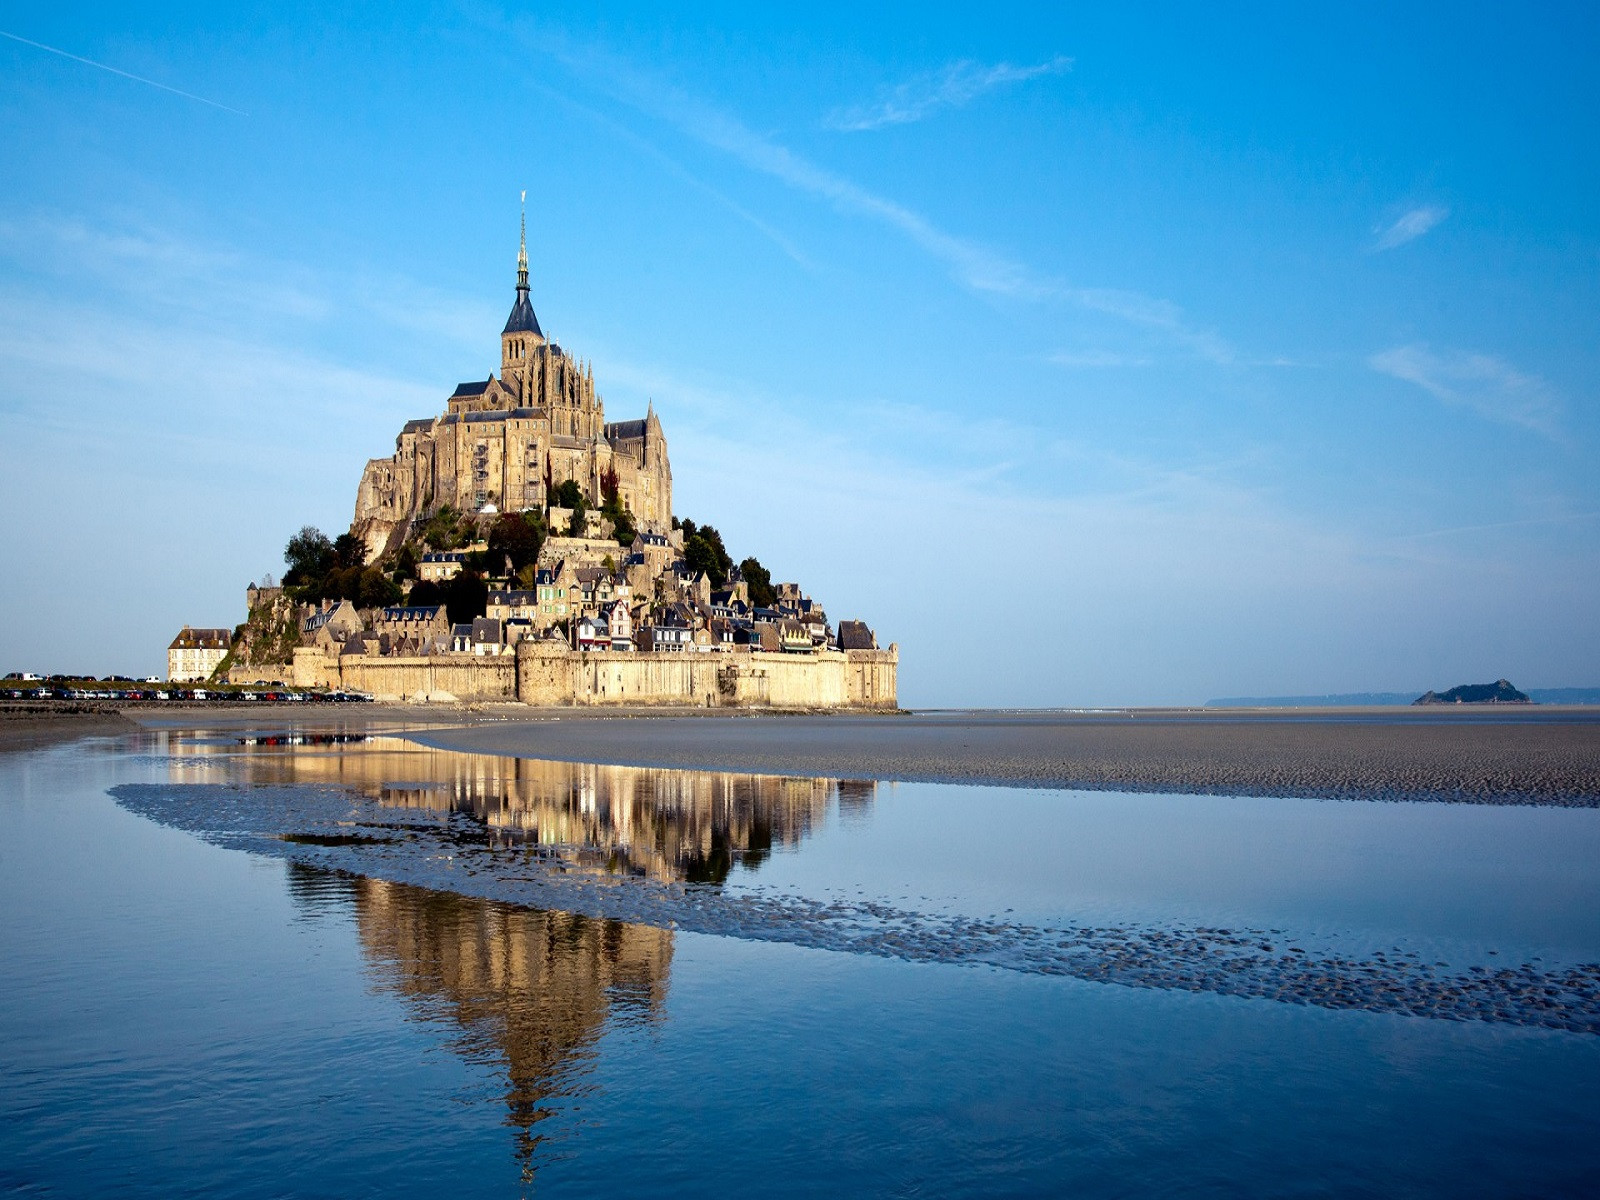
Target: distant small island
1499, 692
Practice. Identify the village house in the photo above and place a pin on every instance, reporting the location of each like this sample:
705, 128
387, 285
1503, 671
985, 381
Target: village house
596, 586
439, 566
620, 621
482, 636
414, 627
854, 635
521, 605
793, 637
668, 631
329, 625
196, 653
591, 632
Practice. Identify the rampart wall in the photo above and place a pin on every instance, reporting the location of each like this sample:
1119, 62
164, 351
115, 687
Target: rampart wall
552, 675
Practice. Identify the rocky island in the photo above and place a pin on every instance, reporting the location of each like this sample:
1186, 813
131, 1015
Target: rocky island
520, 546
1498, 692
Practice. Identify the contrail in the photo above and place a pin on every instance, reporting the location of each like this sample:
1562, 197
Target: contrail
89, 62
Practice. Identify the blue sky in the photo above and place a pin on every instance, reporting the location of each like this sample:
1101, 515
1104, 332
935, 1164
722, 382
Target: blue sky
1218, 351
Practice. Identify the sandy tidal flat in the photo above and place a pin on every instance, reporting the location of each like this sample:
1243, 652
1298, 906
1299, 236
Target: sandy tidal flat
1530, 756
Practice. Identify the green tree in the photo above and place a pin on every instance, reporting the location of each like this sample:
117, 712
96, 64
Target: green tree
349, 551
568, 495
425, 594
758, 581
405, 562
703, 551
310, 556
465, 597
375, 589
440, 529
516, 536
341, 583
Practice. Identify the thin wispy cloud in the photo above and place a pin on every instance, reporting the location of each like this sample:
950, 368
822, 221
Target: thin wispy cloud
1495, 526
1074, 359
100, 66
650, 150
952, 86
181, 273
974, 264
1486, 385
1409, 226
1162, 315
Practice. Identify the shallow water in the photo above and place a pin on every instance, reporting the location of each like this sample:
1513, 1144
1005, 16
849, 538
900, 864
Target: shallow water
819, 984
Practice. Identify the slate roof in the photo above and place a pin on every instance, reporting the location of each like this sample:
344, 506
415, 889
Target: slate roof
854, 635
471, 389
522, 319
201, 639
401, 612
624, 429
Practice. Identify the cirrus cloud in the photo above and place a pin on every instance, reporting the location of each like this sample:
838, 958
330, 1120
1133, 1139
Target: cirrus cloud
952, 86
1409, 226
1489, 386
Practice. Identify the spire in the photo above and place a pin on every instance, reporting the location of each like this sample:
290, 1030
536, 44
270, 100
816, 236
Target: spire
522, 248
522, 319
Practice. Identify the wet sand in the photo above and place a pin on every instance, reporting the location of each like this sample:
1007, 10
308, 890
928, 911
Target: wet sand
1531, 756
1536, 755
30, 727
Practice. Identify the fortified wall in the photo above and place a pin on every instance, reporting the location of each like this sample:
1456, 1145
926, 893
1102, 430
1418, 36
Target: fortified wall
548, 675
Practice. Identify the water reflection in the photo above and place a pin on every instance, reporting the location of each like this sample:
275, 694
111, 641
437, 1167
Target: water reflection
673, 826
529, 991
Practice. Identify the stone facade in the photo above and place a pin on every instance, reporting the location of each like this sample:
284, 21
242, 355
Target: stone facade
505, 443
195, 654
548, 674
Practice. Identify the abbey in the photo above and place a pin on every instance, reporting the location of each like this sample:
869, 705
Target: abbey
504, 444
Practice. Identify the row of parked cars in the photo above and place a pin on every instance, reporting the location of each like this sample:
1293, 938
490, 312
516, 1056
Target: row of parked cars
88, 690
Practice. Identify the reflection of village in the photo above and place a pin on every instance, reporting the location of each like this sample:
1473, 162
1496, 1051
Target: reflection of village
662, 824
532, 990
528, 991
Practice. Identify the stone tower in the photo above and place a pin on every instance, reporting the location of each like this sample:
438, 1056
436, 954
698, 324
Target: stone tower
522, 335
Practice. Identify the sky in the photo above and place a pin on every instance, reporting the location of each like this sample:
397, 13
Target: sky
1093, 354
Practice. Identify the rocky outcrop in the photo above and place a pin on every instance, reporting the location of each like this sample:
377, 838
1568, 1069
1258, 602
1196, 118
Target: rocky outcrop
1499, 692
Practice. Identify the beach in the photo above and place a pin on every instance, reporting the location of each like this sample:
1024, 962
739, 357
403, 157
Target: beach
1536, 755
32, 726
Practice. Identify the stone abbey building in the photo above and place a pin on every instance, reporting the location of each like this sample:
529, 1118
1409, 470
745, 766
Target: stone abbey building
503, 444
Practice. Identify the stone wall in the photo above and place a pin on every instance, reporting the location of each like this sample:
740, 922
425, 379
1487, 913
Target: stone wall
262, 673
554, 675
548, 675
438, 677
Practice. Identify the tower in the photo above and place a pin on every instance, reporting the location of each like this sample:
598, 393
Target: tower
522, 335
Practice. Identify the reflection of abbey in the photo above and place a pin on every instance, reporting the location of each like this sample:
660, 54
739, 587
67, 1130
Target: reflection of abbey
673, 826
531, 990
506, 443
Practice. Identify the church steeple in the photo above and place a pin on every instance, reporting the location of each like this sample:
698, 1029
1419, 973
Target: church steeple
522, 249
522, 334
